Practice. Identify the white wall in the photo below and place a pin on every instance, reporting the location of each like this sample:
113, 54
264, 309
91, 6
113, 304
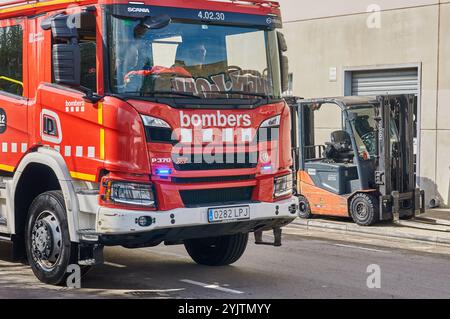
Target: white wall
294, 10
409, 35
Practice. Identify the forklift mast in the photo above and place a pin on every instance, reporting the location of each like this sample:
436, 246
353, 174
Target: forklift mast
395, 170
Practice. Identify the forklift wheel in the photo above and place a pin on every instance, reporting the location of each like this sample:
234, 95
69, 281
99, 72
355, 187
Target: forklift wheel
304, 210
364, 209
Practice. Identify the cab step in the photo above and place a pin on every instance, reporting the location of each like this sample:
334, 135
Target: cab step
5, 237
3, 221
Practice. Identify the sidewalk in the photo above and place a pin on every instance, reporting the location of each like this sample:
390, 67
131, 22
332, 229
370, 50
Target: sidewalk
439, 214
432, 227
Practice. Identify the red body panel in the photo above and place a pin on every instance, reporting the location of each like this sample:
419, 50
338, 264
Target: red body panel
257, 7
110, 136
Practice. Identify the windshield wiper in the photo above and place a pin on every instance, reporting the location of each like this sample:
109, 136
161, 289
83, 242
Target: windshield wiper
261, 95
153, 93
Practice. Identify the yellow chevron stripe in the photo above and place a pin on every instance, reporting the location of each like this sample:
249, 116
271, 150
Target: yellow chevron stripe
37, 5
100, 113
7, 168
102, 131
82, 176
102, 144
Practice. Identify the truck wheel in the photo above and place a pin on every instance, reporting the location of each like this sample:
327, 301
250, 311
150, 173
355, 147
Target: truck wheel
304, 209
364, 209
218, 251
47, 241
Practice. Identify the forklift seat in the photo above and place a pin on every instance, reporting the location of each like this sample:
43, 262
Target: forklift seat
340, 149
341, 137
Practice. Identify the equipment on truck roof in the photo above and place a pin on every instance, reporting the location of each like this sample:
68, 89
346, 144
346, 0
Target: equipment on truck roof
366, 171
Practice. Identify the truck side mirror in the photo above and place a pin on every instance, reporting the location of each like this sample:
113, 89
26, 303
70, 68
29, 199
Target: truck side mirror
67, 64
282, 44
284, 61
66, 56
61, 25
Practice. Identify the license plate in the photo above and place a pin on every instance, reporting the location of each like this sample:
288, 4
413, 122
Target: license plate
228, 214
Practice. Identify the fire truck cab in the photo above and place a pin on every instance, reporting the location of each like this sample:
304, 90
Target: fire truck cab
141, 123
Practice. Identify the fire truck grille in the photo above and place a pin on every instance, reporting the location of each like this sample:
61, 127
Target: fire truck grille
212, 179
216, 196
218, 162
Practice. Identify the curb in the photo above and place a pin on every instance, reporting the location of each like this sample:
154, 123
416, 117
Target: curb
388, 230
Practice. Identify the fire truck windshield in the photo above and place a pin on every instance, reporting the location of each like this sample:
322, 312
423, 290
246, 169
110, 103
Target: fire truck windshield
200, 61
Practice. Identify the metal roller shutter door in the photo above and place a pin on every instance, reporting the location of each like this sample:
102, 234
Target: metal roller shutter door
404, 81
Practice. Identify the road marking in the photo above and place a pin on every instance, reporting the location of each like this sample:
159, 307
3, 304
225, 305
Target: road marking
107, 263
361, 248
215, 287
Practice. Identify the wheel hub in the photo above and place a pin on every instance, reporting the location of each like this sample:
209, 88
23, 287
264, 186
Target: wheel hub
46, 240
361, 210
303, 207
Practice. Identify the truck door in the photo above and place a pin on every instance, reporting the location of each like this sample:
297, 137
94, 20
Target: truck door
13, 102
68, 123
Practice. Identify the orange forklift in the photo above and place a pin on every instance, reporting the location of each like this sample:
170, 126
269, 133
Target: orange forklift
366, 171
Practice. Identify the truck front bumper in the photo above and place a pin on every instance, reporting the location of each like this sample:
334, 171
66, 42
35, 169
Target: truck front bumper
121, 227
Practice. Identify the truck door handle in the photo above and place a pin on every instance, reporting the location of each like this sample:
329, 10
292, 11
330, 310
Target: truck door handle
50, 127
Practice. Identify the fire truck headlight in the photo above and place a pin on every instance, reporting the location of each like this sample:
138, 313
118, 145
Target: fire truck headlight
272, 122
283, 186
125, 193
151, 121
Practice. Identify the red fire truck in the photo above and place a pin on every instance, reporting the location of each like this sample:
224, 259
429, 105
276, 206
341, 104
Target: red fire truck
141, 123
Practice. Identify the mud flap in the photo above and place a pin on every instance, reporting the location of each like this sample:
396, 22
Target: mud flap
90, 254
277, 233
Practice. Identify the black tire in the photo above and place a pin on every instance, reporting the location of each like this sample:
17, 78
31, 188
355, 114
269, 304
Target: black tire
51, 203
217, 251
304, 209
364, 209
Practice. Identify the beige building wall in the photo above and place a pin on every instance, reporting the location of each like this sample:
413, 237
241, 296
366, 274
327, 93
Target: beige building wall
411, 32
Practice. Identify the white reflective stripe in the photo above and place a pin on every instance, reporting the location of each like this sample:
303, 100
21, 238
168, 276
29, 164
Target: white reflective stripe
79, 151
91, 151
23, 148
13, 147
186, 135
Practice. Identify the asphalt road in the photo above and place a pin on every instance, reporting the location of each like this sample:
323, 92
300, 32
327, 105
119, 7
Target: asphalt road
302, 268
